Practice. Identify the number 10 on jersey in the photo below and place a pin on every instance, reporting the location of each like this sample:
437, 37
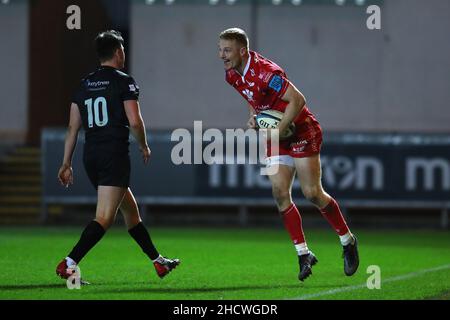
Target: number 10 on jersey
94, 113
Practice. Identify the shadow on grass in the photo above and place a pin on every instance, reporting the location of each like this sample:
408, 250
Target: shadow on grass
128, 288
444, 295
212, 289
31, 286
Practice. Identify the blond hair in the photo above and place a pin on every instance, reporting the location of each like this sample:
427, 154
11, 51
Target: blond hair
235, 34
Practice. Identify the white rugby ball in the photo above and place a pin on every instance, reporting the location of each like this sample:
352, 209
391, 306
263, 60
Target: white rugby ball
270, 119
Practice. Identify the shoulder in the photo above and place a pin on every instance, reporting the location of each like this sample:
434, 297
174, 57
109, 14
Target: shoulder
122, 74
83, 84
266, 65
123, 77
85, 80
126, 82
81, 87
270, 74
128, 88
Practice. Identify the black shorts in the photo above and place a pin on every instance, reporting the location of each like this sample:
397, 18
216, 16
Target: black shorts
106, 167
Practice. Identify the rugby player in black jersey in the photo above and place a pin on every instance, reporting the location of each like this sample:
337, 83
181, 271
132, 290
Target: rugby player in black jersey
106, 105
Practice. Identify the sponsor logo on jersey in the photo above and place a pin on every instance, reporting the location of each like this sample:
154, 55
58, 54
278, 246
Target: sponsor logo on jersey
265, 76
298, 143
251, 84
97, 83
299, 146
263, 107
248, 94
298, 149
252, 72
276, 83
132, 87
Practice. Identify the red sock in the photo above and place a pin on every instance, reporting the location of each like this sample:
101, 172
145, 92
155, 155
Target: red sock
293, 224
334, 216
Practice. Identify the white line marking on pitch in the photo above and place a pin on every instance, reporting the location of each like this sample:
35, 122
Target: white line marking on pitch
362, 286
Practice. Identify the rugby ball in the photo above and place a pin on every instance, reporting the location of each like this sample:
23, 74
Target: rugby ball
270, 119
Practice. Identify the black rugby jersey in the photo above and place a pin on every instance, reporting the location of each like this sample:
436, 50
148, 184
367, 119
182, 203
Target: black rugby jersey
100, 98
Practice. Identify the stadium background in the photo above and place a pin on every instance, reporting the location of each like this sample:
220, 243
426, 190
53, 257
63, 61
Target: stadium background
381, 96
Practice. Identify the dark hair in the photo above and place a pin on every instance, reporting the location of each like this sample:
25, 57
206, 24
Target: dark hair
235, 34
106, 44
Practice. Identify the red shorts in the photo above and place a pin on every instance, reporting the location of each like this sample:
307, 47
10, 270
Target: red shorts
306, 141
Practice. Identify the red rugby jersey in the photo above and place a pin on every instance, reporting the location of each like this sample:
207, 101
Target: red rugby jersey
262, 85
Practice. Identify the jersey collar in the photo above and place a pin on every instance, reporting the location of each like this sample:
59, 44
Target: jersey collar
247, 66
107, 67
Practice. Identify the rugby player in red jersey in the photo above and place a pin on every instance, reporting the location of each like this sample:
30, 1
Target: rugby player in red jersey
265, 86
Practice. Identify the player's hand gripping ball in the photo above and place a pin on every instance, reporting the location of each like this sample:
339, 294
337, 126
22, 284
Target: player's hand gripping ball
269, 119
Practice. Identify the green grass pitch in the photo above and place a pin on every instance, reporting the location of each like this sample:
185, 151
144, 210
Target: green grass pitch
225, 264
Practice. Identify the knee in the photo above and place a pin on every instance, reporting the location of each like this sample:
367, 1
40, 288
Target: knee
313, 194
105, 222
281, 195
132, 220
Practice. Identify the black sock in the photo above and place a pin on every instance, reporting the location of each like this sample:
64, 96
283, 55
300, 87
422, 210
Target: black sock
89, 238
141, 236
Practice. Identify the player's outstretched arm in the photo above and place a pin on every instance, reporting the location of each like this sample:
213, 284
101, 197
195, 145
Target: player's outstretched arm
137, 127
65, 173
296, 102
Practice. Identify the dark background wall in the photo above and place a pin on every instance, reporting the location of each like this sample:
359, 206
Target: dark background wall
354, 79
58, 59
14, 68
395, 79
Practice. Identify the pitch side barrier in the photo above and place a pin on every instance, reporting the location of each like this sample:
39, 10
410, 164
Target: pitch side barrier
361, 170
